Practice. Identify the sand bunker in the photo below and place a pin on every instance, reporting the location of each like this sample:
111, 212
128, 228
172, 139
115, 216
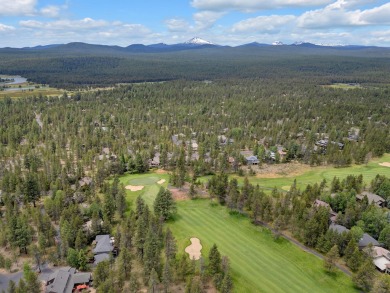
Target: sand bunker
194, 249
385, 164
134, 187
161, 181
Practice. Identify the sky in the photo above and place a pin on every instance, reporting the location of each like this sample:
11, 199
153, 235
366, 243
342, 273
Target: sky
26, 23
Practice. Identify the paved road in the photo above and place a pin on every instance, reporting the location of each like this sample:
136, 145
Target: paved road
46, 271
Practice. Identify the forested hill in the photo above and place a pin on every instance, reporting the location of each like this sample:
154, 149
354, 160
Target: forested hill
78, 64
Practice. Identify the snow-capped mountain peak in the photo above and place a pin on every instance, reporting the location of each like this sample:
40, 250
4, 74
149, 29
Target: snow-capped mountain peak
198, 41
277, 43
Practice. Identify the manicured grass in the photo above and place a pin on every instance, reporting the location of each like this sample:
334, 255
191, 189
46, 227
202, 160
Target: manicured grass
150, 190
344, 86
317, 174
258, 262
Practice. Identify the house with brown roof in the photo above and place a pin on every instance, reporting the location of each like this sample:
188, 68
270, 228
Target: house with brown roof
332, 214
372, 198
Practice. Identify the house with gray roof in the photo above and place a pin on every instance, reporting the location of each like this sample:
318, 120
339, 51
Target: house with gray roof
372, 198
363, 242
65, 280
338, 228
367, 240
104, 246
252, 160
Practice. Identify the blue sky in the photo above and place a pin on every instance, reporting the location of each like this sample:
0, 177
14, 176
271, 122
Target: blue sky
227, 22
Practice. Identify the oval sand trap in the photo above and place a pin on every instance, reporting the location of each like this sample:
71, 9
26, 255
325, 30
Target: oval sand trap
134, 187
194, 249
161, 181
385, 164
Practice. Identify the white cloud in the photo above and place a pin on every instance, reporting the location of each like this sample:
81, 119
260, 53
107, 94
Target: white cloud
86, 23
206, 19
50, 11
271, 23
336, 15
176, 24
17, 7
253, 5
6, 28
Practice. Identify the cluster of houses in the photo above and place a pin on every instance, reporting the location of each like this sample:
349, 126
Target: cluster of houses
380, 255
251, 159
68, 280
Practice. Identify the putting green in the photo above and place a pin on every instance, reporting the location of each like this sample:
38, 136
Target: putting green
144, 181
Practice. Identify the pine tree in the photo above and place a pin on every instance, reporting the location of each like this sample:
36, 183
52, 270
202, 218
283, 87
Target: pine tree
32, 282
81, 240
82, 261
120, 202
164, 204
167, 276
227, 284
382, 284
101, 273
214, 261
364, 277
330, 259
125, 262
134, 284
355, 260
153, 282
170, 246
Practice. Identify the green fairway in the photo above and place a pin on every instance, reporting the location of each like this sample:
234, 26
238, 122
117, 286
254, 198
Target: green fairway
317, 174
149, 181
259, 264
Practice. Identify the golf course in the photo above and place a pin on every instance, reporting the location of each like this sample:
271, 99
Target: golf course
258, 262
312, 175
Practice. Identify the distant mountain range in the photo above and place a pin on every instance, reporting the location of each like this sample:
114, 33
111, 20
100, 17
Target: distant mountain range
194, 43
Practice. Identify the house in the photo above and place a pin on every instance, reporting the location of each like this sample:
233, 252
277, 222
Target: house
67, 280
155, 162
85, 181
282, 153
194, 145
381, 258
104, 246
252, 160
363, 242
332, 214
372, 198
367, 240
338, 228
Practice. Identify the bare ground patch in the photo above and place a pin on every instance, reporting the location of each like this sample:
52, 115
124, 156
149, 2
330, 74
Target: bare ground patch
280, 170
179, 194
161, 181
194, 250
161, 171
385, 164
134, 187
